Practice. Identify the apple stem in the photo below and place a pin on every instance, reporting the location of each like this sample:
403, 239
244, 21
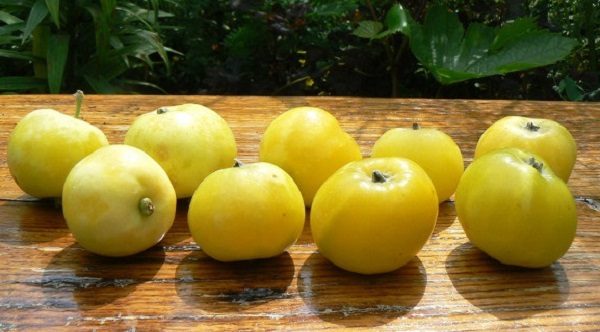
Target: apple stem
416, 126
378, 177
237, 163
536, 164
78, 102
162, 110
146, 206
532, 126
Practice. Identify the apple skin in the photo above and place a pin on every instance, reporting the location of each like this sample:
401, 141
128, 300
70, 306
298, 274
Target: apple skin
189, 141
310, 145
435, 151
251, 211
544, 137
44, 147
118, 201
516, 209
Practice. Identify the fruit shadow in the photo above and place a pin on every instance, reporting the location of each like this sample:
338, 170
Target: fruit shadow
33, 222
355, 300
507, 292
446, 216
233, 286
78, 279
179, 231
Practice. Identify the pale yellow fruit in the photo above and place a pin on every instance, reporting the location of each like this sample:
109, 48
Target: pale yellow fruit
432, 149
44, 147
374, 215
118, 201
189, 142
309, 144
247, 212
543, 137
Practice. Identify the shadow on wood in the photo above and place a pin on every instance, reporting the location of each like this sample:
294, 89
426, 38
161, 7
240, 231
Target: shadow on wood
31, 222
76, 278
507, 292
233, 286
352, 299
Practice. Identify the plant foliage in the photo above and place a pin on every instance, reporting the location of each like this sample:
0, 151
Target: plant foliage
80, 44
453, 55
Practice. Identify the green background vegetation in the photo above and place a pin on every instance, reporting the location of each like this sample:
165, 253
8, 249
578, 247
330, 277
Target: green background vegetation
541, 49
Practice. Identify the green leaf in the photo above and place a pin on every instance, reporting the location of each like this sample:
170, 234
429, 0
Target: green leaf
38, 13
56, 59
7, 18
10, 28
398, 19
332, 9
368, 29
10, 40
101, 85
513, 30
144, 84
453, 55
20, 83
19, 55
19, 3
54, 9
154, 41
569, 89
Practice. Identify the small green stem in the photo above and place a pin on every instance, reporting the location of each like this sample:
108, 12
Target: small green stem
162, 110
237, 163
146, 206
416, 126
78, 102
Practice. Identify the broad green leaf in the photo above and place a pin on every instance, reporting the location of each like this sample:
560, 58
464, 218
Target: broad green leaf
529, 51
20, 83
569, 90
453, 55
19, 55
7, 18
54, 10
398, 19
38, 13
56, 59
512, 30
368, 29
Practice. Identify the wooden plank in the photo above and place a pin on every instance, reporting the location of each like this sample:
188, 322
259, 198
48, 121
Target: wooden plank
47, 282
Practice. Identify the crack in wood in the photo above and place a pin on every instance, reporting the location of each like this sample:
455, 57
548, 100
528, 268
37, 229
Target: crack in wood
590, 202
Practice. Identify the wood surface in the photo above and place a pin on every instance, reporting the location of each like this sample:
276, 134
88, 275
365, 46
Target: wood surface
48, 282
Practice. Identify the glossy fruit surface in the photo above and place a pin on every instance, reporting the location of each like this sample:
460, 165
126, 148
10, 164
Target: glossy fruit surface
513, 207
374, 215
543, 137
432, 149
189, 141
118, 201
247, 212
44, 147
309, 144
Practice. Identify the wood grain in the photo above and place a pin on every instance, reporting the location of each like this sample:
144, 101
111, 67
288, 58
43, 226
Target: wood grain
48, 282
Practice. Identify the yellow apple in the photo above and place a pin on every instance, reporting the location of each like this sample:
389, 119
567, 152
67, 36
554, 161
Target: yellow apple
118, 201
189, 142
44, 147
